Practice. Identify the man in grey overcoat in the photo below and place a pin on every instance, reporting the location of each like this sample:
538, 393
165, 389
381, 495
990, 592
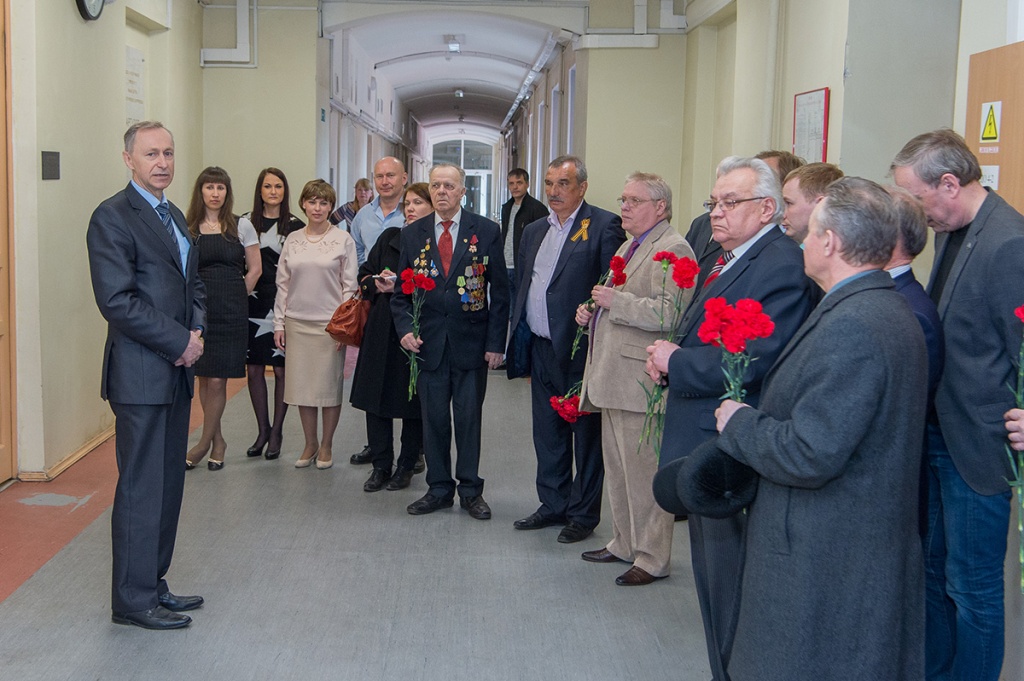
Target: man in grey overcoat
833, 583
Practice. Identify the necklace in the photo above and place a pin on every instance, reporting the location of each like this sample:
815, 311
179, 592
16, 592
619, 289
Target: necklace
212, 227
320, 238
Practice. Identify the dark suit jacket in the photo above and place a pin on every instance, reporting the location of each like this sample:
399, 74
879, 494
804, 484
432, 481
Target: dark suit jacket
530, 210
835, 442
928, 317
982, 342
150, 305
772, 272
704, 247
580, 265
446, 317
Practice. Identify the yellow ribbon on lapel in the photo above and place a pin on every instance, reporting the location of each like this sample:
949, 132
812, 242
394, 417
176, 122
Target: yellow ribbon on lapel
582, 231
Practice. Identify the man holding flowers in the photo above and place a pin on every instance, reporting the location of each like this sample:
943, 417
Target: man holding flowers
626, 319
759, 263
833, 552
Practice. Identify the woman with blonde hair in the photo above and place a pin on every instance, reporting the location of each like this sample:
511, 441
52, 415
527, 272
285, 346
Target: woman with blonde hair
316, 273
229, 265
347, 211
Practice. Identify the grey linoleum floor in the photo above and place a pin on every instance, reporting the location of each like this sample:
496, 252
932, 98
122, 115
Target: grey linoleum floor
308, 577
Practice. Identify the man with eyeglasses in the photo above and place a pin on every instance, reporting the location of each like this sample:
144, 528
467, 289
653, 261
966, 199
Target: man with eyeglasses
383, 211
561, 257
463, 323
758, 262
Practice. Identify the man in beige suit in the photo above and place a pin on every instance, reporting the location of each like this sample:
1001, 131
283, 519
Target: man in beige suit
626, 320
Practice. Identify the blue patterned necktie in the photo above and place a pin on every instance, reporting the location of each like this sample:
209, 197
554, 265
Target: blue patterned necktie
165, 217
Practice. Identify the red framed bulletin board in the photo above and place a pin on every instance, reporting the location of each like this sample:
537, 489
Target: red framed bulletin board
810, 125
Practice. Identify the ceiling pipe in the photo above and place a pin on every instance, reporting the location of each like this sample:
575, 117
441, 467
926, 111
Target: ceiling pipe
539, 64
239, 56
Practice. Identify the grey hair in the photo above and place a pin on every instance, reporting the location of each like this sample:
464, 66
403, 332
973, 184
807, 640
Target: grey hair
581, 169
912, 221
130, 133
462, 173
656, 187
863, 216
933, 154
766, 184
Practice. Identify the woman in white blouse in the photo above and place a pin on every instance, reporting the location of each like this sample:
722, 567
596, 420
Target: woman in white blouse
316, 273
229, 265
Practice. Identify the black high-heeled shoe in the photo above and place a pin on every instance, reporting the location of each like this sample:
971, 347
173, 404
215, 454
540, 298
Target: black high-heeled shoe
214, 465
270, 456
255, 451
189, 466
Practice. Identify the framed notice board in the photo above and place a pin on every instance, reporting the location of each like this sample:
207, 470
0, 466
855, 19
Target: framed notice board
810, 125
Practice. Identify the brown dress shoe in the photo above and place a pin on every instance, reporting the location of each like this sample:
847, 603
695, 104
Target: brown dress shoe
600, 556
635, 576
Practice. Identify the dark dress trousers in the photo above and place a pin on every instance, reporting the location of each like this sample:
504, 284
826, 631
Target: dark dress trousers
771, 271
530, 210
458, 324
580, 265
150, 306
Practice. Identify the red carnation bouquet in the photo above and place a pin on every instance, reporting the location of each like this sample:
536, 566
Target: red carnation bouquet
1017, 458
615, 276
415, 284
684, 276
568, 406
730, 327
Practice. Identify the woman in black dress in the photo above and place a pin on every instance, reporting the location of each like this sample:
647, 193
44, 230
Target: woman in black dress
229, 265
273, 221
380, 382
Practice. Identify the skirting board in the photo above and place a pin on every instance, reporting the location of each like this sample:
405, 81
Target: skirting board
66, 462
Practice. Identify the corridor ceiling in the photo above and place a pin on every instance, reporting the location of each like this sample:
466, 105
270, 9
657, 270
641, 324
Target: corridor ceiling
429, 54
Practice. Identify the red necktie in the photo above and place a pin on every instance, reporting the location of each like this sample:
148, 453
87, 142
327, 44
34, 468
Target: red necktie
719, 266
444, 246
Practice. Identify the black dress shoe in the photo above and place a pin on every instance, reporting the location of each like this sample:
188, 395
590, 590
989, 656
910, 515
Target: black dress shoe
574, 532
600, 556
428, 503
476, 506
154, 618
365, 456
419, 466
400, 480
214, 465
535, 521
376, 482
255, 451
270, 456
635, 576
180, 603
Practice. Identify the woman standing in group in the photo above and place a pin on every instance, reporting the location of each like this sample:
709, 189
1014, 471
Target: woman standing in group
272, 218
380, 383
316, 273
229, 265
347, 211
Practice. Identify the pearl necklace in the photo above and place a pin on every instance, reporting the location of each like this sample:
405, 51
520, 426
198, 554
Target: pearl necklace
315, 241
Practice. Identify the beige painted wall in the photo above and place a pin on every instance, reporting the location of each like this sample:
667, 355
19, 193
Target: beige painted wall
269, 115
68, 86
633, 110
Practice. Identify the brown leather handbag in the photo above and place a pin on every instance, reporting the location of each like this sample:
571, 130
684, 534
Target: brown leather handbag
349, 320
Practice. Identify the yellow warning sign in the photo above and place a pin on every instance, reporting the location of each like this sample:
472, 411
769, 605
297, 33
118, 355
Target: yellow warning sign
991, 113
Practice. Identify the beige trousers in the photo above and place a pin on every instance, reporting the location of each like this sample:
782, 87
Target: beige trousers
641, 530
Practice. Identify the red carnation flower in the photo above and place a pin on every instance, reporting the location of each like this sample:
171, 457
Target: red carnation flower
684, 272
1020, 313
665, 256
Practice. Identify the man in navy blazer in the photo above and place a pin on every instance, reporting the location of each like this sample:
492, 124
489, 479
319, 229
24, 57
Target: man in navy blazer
146, 283
976, 284
745, 209
463, 325
561, 258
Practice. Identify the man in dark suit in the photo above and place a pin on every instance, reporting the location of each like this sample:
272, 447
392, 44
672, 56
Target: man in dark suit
765, 265
976, 285
562, 257
463, 324
145, 279
832, 548
516, 214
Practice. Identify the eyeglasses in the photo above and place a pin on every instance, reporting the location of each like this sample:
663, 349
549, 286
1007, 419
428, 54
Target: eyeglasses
632, 201
728, 204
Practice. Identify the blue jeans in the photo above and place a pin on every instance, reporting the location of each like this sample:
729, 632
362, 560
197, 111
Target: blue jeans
964, 550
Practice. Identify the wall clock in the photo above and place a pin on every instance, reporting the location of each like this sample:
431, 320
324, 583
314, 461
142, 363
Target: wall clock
90, 9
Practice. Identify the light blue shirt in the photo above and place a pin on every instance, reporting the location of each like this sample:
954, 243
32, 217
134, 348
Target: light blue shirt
184, 242
544, 270
368, 224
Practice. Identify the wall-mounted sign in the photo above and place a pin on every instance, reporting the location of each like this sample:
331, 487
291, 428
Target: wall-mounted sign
990, 177
991, 117
810, 125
